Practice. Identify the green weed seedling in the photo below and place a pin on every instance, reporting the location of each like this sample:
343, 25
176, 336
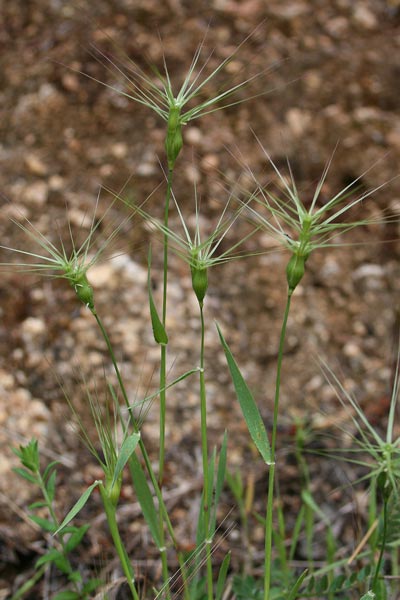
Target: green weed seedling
65, 542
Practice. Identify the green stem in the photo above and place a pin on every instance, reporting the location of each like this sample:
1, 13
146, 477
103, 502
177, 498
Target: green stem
163, 376
110, 510
135, 426
50, 508
204, 451
382, 549
163, 358
271, 477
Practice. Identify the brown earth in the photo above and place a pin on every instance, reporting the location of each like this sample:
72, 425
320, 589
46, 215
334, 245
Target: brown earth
329, 73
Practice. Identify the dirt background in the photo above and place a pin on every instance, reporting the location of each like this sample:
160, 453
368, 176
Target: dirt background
329, 73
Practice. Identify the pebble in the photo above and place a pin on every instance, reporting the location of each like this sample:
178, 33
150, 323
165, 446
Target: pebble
351, 350
289, 11
119, 150
35, 165
368, 271
131, 269
36, 193
70, 82
33, 328
298, 121
393, 137
102, 275
364, 18
56, 183
193, 135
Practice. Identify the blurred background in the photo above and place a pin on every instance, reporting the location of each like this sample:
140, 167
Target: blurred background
324, 75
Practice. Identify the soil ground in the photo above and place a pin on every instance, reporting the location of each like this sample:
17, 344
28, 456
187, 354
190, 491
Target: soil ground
329, 75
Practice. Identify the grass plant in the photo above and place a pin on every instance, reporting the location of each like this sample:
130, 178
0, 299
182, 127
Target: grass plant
298, 227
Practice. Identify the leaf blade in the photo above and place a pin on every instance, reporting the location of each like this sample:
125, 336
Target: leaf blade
78, 506
248, 405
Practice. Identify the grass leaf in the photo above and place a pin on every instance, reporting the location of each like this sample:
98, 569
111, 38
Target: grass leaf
247, 403
78, 506
222, 576
145, 498
160, 335
293, 592
128, 447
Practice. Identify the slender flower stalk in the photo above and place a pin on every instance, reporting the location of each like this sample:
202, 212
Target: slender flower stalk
176, 108
114, 455
301, 230
200, 253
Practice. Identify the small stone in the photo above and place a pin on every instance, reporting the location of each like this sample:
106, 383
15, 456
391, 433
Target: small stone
298, 121
36, 193
364, 18
369, 271
56, 183
130, 269
146, 169
364, 114
103, 276
289, 11
119, 150
106, 170
193, 135
35, 165
393, 137
70, 82
337, 27
192, 174
210, 162
6, 380
351, 350
33, 327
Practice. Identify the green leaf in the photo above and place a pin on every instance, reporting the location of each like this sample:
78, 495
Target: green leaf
56, 557
128, 447
247, 403
51, 485
44, 524
39, 504
218, 485
78, 506
145, 498
222, 576
67, 595
29, 455
75, 577
293, 592
25, 474
76, 538
50, 556
91, 585
221, 468
368, 596
160, 335
49, 468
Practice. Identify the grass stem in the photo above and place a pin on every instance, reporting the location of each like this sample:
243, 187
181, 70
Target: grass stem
271, 477
204, 450
110, 510
163, 510
163, 358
